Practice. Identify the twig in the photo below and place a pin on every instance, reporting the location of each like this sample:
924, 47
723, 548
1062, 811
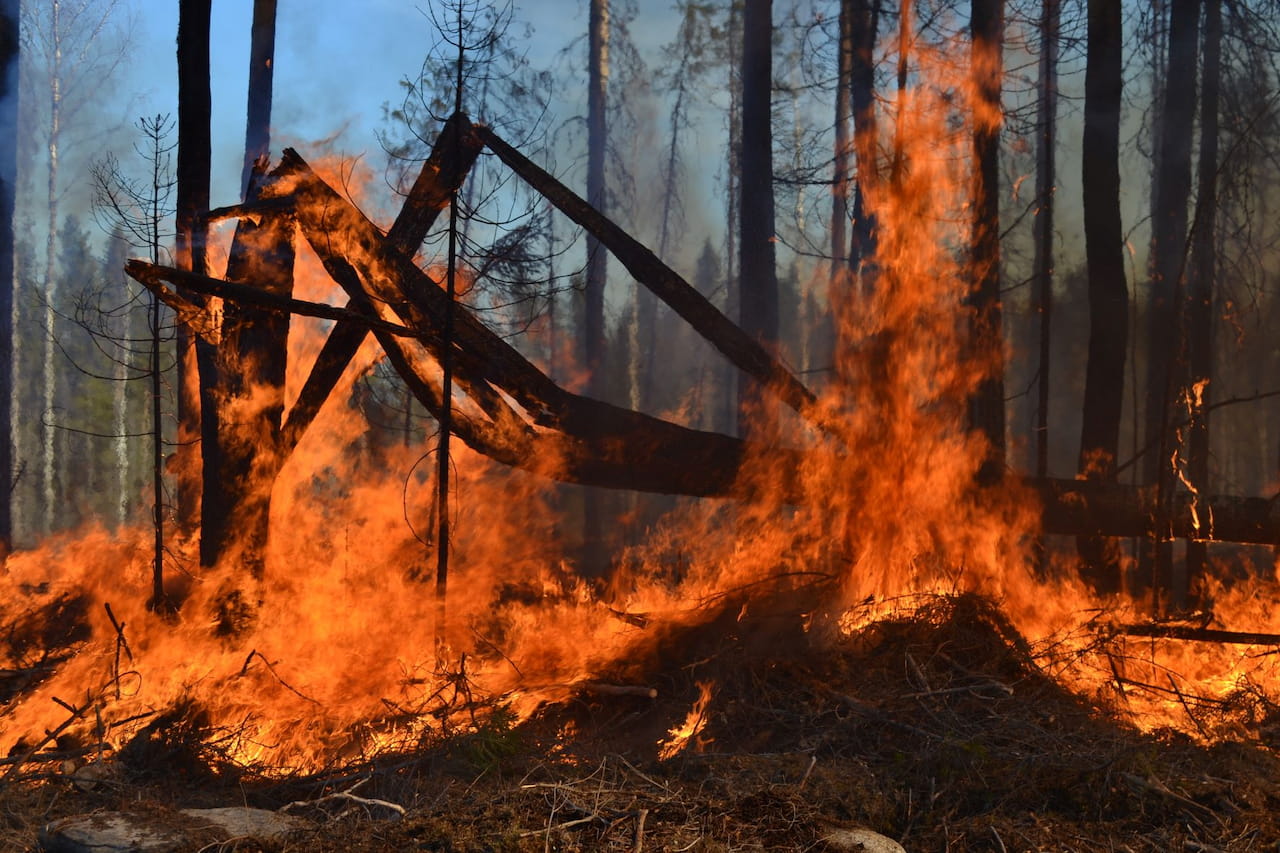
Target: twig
245, 669
1186, 707
813, 761
50, 737
350, 796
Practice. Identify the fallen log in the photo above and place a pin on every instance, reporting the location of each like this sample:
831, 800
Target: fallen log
743, 351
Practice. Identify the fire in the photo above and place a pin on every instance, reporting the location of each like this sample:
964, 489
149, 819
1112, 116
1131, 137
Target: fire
687, 732
338, 652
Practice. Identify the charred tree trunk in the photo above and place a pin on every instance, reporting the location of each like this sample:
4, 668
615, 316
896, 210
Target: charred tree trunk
248, 396
986, 404
1200, 305
9, 64
758, 312
1166, 366
1046, 181
1104, 250
192, 201
865, 22
262, 50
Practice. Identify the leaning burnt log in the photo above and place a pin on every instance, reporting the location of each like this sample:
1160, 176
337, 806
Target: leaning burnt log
742, 350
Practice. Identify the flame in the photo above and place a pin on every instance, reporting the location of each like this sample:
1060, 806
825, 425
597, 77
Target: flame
687, 732
338, 651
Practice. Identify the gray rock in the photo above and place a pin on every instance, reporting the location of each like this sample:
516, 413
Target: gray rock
239, 822
108, 832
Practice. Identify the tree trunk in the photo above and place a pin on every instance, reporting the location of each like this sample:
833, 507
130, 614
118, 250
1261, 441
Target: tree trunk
1166, 365
986, 404
192, 201
1204, 258
262, 50
866, 25
1104, 251
758, 311
9, 64
48, 384
1046, 182
840, 177
593, 548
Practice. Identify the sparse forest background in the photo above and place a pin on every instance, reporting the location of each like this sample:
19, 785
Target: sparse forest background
668, 121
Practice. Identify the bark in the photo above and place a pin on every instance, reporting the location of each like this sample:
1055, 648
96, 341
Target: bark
262, 49
758, 300
1203, 276
1046, 180
192, 200
9, 63
986, 405
744, 351
1104, 250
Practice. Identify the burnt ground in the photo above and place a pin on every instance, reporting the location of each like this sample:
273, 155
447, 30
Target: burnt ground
936, 728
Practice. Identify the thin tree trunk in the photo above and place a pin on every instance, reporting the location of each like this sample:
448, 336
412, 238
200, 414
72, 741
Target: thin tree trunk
1104, 251
593, 553
9, 64
866, 26
192, 201
48, 459
1046, 182
758, 311
733, 197
840, 177
1203, 276
986, 405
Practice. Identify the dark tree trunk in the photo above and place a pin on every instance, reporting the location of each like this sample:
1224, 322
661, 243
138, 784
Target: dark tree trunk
262, 50
9, 54
192, 202
840, 177
758, 311
1204, 262
1166, 364
865, 22
1046, 180
1104, 251
986, 405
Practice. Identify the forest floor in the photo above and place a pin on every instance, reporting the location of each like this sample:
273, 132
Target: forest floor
936, 729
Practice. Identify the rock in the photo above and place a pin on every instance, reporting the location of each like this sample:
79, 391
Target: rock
860, 840
108, 832
164, 832
239, 822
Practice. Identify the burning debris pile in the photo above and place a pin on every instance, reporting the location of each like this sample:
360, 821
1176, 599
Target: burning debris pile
749, 674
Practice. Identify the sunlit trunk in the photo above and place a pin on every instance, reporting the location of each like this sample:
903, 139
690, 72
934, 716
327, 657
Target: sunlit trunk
48, 384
